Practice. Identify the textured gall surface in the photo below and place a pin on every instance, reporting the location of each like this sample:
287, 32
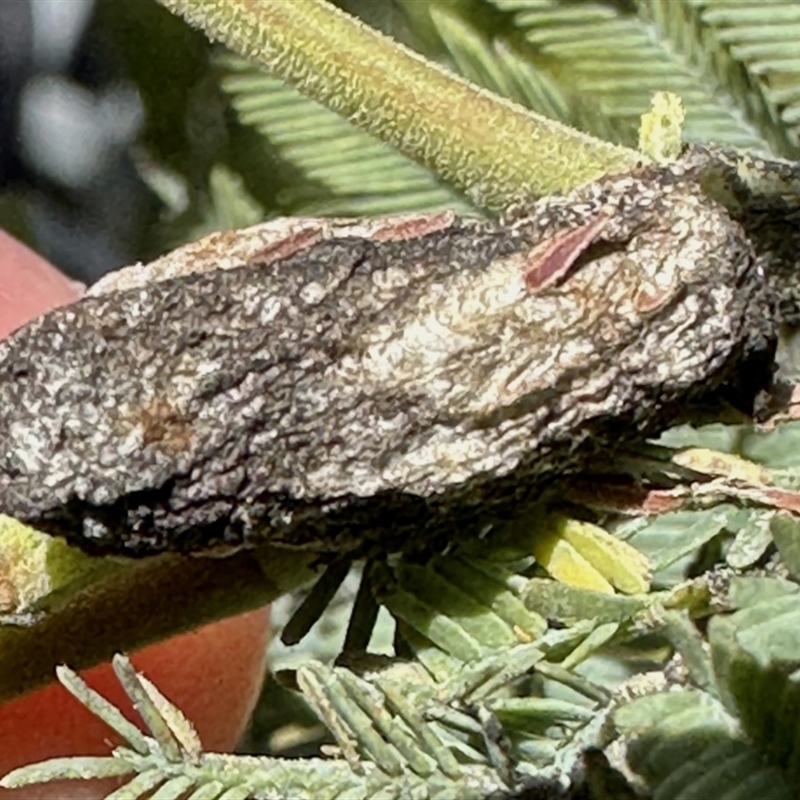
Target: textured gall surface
336, 384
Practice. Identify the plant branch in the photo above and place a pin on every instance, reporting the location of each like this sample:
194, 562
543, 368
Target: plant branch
493, 149
150, 600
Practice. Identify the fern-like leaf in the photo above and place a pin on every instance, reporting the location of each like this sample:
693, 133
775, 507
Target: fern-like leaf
750, 49
739, 739
602, 63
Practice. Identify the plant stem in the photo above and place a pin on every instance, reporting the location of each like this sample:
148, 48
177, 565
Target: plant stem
149, 601
496, 151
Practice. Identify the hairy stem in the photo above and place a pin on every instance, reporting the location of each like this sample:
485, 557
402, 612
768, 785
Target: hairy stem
491, 148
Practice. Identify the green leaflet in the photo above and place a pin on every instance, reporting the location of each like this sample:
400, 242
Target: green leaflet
761, 646
688, 743
687, 747
786, 533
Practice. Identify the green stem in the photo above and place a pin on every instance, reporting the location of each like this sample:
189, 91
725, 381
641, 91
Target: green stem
493, 149
150, 600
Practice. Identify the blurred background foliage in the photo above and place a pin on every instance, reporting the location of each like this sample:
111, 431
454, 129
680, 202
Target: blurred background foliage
124, 133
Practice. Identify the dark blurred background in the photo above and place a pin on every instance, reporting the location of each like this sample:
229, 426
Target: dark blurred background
110, 121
